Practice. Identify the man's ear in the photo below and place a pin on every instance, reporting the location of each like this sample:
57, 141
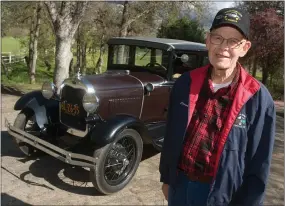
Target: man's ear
245, 48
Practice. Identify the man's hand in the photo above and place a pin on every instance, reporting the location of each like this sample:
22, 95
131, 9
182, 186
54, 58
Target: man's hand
164, 189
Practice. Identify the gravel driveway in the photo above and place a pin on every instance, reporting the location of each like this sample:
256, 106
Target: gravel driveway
48, 181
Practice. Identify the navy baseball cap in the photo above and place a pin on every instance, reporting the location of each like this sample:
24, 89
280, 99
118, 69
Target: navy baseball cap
233, 17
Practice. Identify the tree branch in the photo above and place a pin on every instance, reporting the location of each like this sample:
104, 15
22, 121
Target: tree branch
137, 17
77, 16
80, 9
51, 7
65, 8
49, 20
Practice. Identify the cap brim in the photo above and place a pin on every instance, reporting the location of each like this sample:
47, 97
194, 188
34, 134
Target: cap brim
231, 25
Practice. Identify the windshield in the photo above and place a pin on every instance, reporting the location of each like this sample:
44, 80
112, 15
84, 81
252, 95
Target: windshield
139, 59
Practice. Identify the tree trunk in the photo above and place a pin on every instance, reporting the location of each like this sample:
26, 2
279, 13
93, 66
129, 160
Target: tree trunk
83, 57
30, 58
123, 27
48, 65
123, 32
70, 67
63, 56
35, 44
265, 71
99, 64
265, 75
65, 23
4, 68
27, 60
249, 65
125, 23
254, 67
78, 51
100, 60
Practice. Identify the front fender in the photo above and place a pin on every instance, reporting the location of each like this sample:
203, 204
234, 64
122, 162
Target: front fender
27, 98
43, 108
105, 132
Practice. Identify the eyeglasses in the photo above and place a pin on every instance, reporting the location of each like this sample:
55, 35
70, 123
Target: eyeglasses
218, 40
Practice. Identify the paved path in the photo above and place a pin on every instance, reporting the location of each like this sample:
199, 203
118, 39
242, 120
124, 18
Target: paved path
51, 182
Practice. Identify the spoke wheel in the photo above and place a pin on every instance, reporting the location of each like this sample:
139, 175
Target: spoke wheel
117, 162
120, 160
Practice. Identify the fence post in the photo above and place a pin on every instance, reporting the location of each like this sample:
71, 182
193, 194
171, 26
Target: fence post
10, 57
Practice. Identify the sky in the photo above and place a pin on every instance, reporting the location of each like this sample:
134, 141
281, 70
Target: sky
214, 9
224, 4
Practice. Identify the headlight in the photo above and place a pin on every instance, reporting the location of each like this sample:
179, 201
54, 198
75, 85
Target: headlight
48, 90
90, 103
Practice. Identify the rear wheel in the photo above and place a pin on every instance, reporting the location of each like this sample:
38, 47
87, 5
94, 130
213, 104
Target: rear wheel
117, 162
26, 121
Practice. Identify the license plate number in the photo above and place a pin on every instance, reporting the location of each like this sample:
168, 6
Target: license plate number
71, 109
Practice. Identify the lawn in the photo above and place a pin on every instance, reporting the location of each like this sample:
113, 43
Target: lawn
10, 44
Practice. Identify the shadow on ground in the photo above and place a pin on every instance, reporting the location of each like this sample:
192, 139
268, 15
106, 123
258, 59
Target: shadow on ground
8, 146
11, 91
58, 174
9, 200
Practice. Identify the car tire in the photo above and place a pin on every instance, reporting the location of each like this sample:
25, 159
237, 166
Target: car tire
20, 123
97, 173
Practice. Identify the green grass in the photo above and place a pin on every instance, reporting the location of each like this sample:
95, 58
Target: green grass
258, 75
10, 44
18, 77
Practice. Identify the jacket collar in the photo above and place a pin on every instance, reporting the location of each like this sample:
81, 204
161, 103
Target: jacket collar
246, 80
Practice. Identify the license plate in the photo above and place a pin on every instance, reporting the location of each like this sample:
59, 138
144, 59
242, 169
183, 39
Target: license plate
70, 109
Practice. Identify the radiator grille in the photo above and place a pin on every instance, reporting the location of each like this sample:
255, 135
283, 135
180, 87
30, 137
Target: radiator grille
71, 109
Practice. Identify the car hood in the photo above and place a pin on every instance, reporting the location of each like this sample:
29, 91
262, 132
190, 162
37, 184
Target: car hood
116, 80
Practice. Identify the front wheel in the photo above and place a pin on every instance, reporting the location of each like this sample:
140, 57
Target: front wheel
117, 162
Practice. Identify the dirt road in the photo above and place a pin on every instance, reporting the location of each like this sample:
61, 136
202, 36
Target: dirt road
47, 181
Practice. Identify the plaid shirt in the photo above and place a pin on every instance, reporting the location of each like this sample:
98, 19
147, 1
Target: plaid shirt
204, 130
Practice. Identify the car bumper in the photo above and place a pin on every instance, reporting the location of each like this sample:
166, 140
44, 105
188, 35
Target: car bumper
57, 152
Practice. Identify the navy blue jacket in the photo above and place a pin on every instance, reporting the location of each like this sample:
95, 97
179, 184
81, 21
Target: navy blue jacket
245, 152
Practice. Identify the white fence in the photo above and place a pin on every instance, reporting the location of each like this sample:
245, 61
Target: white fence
10, 58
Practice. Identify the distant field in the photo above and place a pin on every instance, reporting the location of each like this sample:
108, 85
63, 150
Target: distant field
10, 44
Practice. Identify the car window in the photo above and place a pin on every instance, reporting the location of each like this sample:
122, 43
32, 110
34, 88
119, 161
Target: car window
121, 54
143, 56
180, 67
152, 60
148, 56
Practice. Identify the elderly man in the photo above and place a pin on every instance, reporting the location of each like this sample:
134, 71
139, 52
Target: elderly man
221, 125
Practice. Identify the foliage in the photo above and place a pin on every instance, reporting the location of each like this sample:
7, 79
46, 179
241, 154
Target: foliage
184, 29
266, 35
254, 7
268, 27
18, 74
9, 13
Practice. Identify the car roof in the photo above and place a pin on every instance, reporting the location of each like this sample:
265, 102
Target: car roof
159, 43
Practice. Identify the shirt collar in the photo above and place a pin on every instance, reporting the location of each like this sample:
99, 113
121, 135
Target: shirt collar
233, 84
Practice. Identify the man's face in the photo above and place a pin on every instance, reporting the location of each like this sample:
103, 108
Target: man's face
224, 54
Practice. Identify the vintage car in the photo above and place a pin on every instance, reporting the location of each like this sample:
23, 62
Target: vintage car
102, 121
